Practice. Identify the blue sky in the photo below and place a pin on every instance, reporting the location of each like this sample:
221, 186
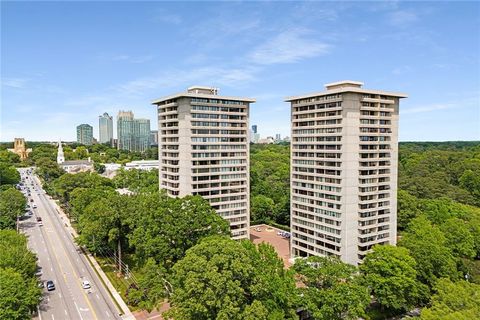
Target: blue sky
65, 63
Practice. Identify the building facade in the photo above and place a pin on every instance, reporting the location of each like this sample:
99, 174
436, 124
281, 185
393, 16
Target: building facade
105, 128
85, 134
154, 138
204, 150
19, 147
132, 134
344, 152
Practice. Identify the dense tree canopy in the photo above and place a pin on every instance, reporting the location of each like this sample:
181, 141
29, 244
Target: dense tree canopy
137, 180
12, 205
270, 183
19, 296
166, 227
391, 276
224, 279
428, 246
454, 301
8, 174
331, 289
430, 172
15, 254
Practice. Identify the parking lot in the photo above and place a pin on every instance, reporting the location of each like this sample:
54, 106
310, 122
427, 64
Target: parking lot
265, 233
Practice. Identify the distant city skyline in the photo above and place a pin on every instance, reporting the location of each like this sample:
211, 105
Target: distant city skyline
428, 49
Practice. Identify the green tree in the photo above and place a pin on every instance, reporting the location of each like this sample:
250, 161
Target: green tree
65, 184
105, 224
166, 227
137, 180
15, 254
48, 169
407, 209
470, 180
454, 301
19, 296
12, 205
218, 279
390, 274
261, 208
153, 286
8, 174
81, 198
9, 157
331, 289
270, 177
459, 238
428, 246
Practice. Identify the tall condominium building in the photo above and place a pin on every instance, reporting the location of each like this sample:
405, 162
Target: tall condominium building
132, 134
343, 171
85, 134
204, 150
105, 128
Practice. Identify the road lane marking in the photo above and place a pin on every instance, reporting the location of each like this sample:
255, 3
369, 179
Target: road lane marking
108, 315
76, 306
97, 296
53, 318
39, 313
74, 272
65, 312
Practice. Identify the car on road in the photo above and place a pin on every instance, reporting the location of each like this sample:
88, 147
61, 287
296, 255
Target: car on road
39, 218
86, 284
50, 285
39, 272
34, 206
40, 223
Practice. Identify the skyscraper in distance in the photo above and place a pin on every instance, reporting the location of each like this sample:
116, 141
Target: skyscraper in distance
105, 128
344, 154
204, 150
85, 134
132, 134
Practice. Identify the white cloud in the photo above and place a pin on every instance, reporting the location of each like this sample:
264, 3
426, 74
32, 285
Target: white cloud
464, 103
132, 59
402, 18
14, 82
288, 47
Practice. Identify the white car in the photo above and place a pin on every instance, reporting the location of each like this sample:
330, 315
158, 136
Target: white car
86, 284
34, 206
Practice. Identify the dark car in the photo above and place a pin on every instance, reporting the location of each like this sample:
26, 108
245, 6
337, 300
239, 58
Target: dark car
39, 219
50, 285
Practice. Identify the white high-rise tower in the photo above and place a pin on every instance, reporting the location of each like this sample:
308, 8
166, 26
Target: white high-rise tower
344, 171
60, 156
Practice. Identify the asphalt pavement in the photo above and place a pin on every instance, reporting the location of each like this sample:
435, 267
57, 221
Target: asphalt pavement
62, 261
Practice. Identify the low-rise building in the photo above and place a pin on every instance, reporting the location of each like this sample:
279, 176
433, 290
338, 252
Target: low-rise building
142, 165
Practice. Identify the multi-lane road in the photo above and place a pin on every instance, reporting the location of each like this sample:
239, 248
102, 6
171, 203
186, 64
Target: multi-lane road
63, 262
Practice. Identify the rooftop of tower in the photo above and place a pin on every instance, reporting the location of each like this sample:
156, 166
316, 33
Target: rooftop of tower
203, 92
346, 86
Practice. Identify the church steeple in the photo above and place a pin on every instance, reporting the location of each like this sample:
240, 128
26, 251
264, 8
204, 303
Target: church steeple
60, 156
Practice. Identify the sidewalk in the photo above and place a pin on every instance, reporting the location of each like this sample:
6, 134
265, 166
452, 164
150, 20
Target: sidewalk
127, 314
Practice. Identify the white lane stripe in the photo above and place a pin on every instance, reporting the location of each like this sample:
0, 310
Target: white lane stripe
97, 296
39, 313
78, 310
53, 318
66, 312
108, 315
